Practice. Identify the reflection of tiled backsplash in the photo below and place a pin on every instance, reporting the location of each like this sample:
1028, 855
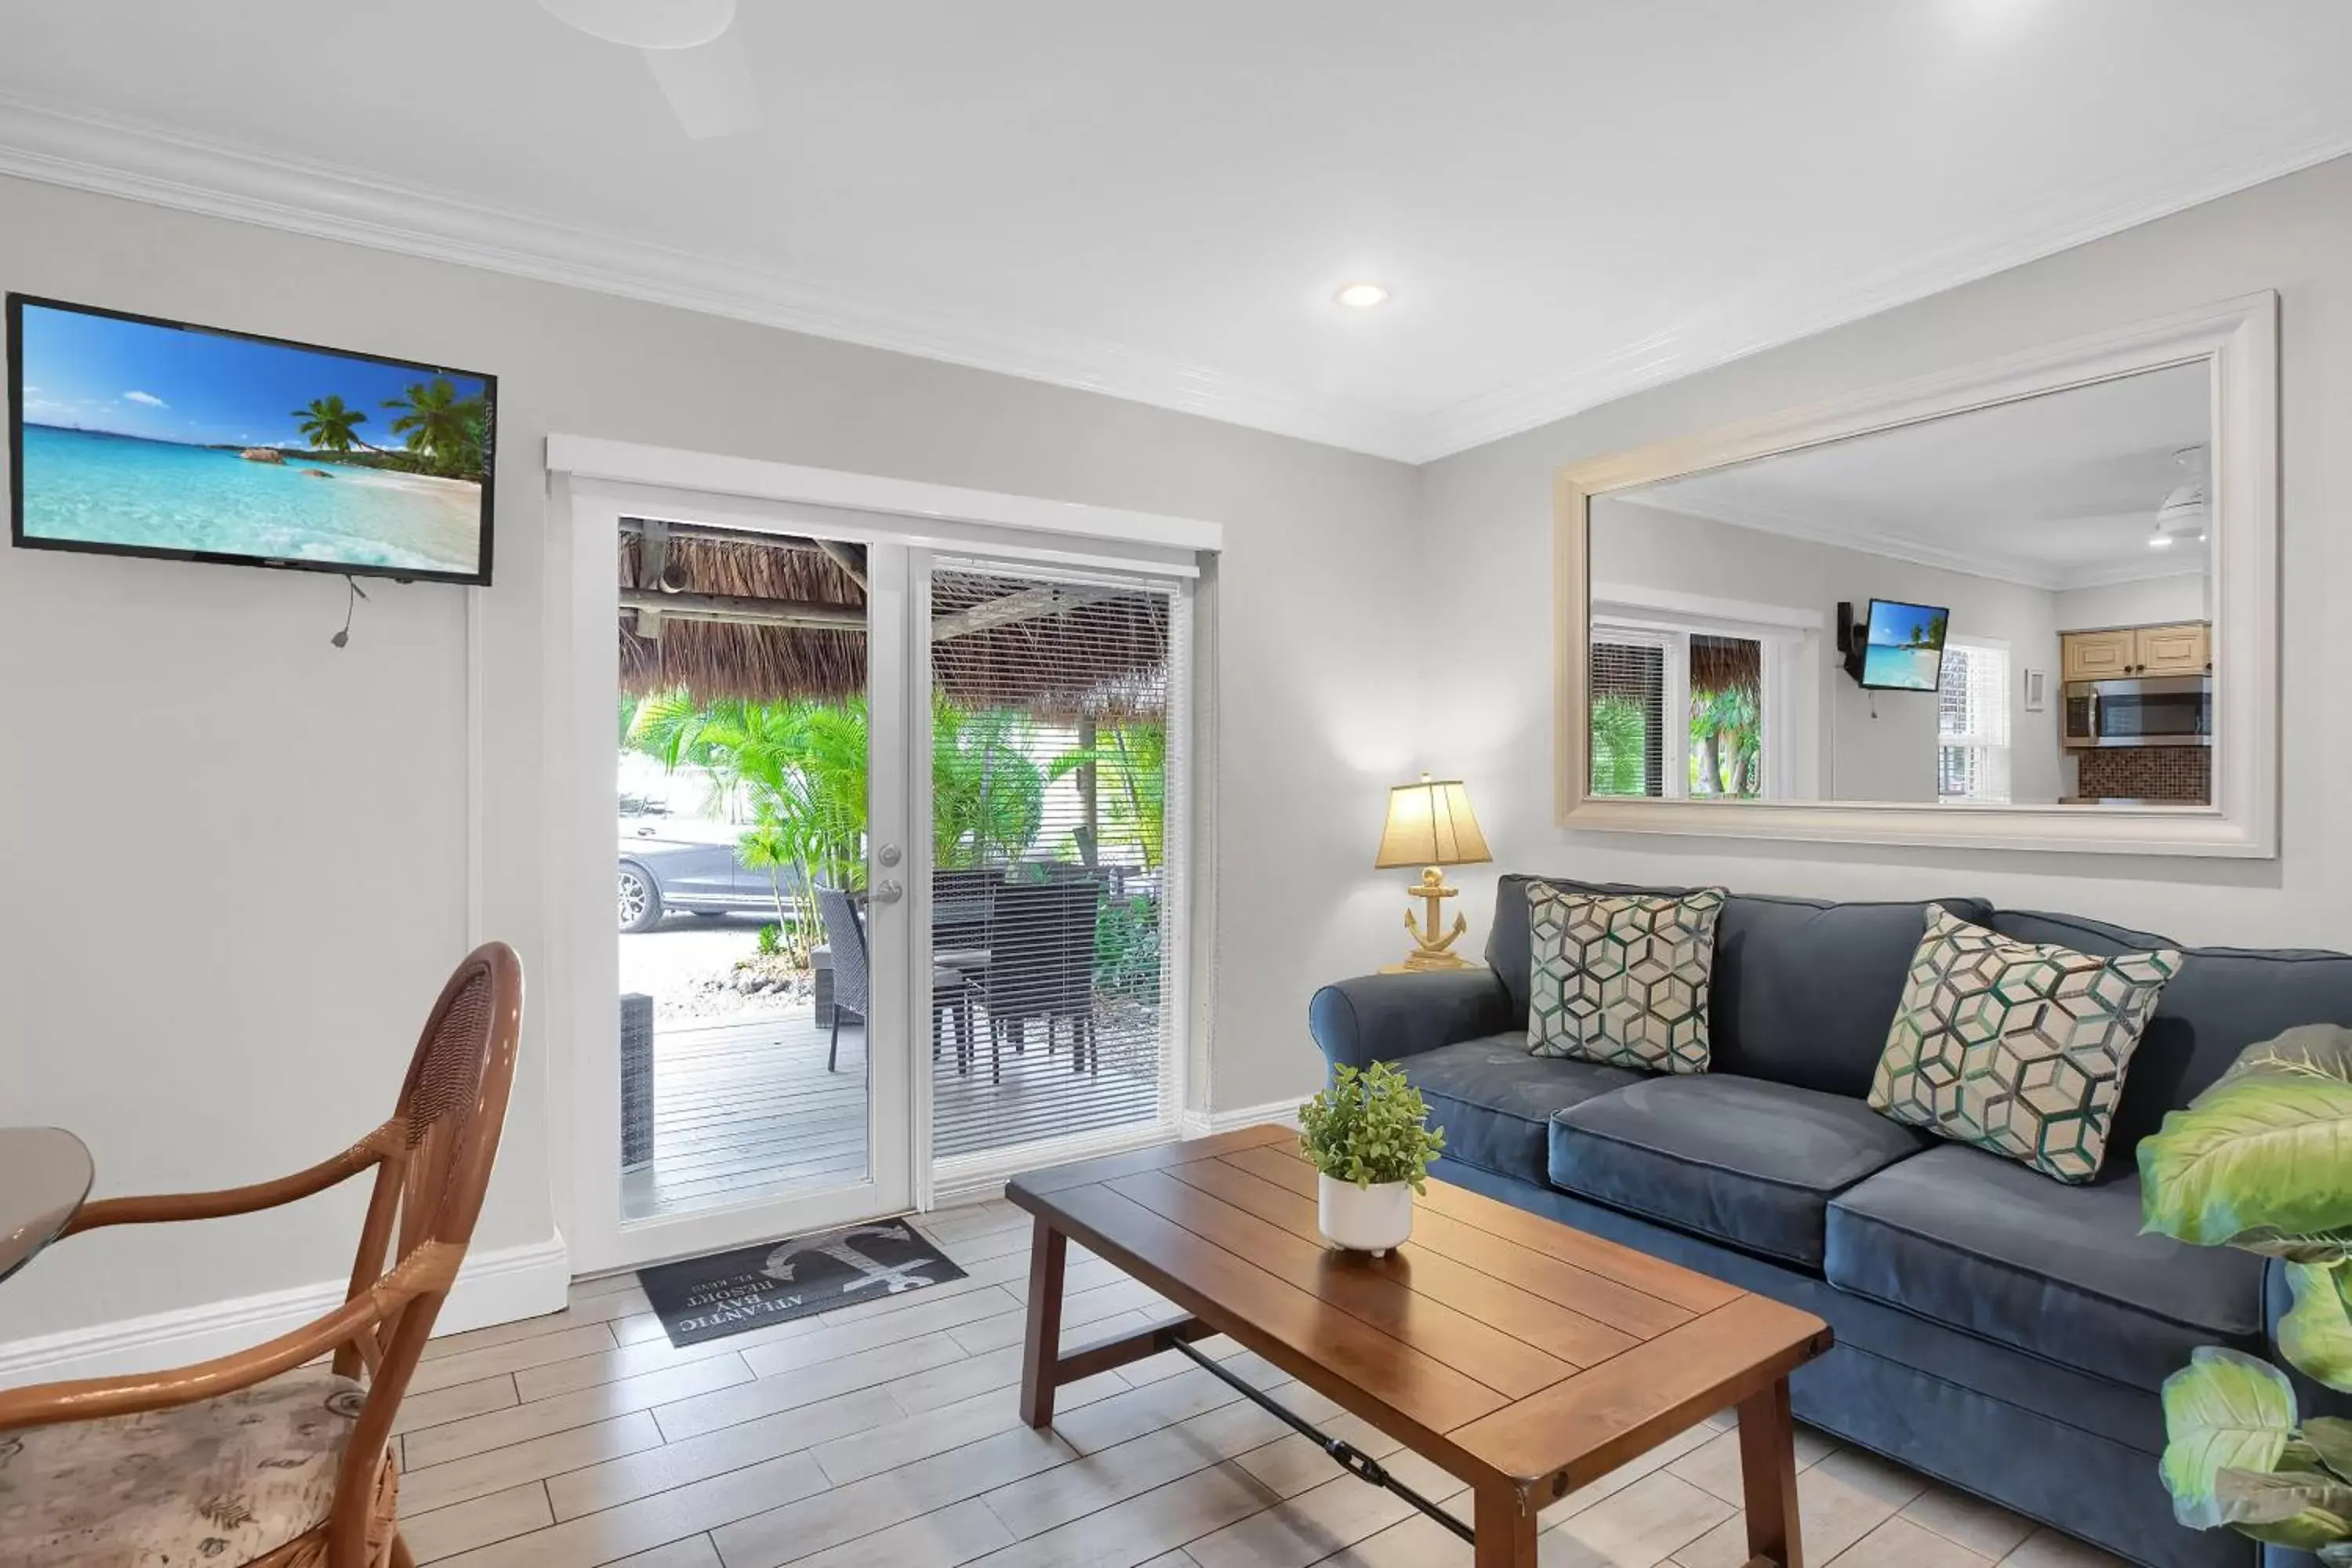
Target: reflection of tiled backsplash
2182, 773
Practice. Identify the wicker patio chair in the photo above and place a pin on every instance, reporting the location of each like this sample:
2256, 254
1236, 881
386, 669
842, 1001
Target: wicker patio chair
265, 1457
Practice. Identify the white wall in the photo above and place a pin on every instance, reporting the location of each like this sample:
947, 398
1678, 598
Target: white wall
237, 856
1873, 745
1486, 568
2151, 601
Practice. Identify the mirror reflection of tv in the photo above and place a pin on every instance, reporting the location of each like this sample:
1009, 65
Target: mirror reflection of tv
133, 435
1903, 646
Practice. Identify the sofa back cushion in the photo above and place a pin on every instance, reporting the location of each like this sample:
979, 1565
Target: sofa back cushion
2223, 1000
1803, 992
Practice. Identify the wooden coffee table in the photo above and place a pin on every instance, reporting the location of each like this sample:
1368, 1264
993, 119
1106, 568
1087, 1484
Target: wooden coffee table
1522, 1356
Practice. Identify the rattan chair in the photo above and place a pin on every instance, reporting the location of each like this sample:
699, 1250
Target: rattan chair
267, 1457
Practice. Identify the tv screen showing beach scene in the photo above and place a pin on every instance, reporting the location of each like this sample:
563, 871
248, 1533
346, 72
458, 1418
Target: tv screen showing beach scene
1904, 649
136, 437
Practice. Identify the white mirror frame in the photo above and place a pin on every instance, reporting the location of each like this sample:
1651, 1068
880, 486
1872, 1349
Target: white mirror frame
2239, 340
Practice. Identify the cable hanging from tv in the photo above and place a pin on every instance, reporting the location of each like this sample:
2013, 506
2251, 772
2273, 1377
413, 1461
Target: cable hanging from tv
350, 608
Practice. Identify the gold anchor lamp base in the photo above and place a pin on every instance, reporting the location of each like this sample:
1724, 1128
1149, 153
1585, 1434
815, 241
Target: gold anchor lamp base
1430, 825
1430, 950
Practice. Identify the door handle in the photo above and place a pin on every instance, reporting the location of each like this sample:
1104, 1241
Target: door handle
886, 892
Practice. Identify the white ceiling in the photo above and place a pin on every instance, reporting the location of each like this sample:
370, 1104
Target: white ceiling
2059, 491
1570, 200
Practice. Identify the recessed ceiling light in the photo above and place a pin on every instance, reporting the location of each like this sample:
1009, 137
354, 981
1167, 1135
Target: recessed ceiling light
1361, 296
2160, 542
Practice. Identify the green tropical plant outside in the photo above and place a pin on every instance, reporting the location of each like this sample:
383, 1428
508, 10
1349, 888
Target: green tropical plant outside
1130, 763
2263, 1161
1620, 746
1369, 1127
799, 771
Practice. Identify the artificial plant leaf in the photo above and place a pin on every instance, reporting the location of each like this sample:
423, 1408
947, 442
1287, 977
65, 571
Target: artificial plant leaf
2224, 1410
2330, 1437
2317, 1334
2300, 1509
2305, 1246
2307, 1050
2265, 1153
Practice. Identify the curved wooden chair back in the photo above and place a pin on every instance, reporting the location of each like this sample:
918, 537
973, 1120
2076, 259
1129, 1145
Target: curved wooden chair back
432, 1161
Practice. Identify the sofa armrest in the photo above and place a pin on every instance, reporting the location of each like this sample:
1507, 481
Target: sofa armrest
1384, 1017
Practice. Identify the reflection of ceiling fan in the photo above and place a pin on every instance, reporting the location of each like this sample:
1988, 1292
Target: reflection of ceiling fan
2181, 514
694, 48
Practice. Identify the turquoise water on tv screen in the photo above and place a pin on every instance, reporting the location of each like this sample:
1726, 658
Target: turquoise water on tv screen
89, 487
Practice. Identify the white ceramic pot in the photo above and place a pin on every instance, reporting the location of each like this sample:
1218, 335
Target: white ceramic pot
1364, 1219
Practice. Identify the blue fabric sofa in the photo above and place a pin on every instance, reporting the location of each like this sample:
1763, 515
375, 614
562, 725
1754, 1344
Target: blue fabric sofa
2001, 1332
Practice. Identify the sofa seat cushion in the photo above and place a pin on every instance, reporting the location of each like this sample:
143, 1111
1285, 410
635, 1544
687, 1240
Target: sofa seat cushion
1741, 1160
1981, 1243
1495, 1101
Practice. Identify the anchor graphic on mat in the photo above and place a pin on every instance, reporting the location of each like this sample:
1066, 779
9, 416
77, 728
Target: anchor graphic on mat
780, 1264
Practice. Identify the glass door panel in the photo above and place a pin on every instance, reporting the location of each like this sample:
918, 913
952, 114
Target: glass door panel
1053, 880
763, 783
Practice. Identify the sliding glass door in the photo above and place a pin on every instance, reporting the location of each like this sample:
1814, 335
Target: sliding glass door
899, 885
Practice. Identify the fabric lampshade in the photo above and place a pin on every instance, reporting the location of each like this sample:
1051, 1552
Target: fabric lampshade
1431, 823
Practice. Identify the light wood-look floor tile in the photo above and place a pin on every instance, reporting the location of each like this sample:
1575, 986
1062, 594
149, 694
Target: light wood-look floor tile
886, 1434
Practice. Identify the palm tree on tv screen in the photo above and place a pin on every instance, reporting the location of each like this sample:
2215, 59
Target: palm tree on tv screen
331, 425
442, 428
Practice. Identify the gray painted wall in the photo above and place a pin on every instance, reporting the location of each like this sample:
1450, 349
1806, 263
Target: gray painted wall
279, 828
1486, 571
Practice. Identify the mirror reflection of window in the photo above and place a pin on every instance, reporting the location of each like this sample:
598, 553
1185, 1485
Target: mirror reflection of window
1629, 695
1972, 722
1726, 717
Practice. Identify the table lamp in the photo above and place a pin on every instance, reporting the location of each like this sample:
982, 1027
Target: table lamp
1430, 825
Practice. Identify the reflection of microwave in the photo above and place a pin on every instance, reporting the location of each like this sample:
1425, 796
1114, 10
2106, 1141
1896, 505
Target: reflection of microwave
2152, 710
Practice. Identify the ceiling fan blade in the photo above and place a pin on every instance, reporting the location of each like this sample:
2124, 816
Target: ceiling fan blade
709, 86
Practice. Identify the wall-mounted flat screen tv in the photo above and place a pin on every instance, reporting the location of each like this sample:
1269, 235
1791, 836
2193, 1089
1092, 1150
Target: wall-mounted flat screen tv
1903, 646
129, 436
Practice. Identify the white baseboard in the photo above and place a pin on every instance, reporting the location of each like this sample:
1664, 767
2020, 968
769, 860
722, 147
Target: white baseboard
498, 1286
1202, 1124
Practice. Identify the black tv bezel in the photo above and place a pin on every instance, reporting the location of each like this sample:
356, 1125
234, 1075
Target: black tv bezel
18, 540
1860, 656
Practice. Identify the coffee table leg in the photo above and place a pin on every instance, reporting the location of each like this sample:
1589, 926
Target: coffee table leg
1041, 1345
1767, 1475
1507, 1530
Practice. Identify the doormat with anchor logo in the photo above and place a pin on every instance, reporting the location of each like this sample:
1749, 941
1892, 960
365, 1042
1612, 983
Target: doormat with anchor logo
751, 1287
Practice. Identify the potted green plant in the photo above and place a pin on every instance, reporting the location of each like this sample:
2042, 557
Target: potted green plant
1369, 1137
2262, 1160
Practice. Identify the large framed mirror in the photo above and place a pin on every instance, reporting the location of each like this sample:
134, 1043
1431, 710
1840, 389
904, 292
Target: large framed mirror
2030, 604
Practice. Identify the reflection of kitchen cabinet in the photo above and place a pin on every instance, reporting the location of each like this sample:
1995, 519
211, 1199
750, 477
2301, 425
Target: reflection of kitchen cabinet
2185, 648
2098, 655
2174, 650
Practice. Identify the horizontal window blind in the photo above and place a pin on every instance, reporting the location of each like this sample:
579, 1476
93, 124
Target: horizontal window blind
1056, 866
1629, 718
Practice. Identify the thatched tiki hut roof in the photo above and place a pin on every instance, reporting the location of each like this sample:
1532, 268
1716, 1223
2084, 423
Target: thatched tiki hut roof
770, 619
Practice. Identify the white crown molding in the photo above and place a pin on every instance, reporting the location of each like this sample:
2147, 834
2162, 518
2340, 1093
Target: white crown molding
2115, 577
501, 1287
147, 163
1695, 345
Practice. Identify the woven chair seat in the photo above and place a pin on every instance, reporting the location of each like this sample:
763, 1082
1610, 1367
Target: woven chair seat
213, 1484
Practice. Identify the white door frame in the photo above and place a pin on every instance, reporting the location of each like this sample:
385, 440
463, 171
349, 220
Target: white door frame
593, 484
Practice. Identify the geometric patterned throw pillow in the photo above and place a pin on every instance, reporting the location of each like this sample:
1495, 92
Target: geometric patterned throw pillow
1621, 978
2015, 1047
